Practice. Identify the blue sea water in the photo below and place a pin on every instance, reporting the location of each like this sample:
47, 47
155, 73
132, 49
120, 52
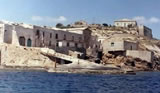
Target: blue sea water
43, 82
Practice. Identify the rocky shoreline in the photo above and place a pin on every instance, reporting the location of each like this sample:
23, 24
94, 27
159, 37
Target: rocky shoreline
23, 58
69, 70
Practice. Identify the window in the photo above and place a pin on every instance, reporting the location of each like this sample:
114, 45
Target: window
29, 42
50, 43
117, 24
43, 34
56, 36
37, 33
76, 45
64, 37
125, 24
96, 46
67, 44
72, 38
57, 44
22, 41
80, 38
50, 35
112, 44
131, 48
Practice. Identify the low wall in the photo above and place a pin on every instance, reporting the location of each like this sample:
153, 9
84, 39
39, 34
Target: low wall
144, 55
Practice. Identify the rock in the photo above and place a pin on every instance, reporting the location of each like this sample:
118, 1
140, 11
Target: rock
24, 57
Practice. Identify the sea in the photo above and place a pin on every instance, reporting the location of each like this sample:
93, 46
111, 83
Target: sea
44, 82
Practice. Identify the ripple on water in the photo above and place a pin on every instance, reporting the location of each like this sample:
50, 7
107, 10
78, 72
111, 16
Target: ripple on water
42, 82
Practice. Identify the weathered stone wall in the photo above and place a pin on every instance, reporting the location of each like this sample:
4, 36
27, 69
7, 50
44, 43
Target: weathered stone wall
8, 33
1, 33
112, 46
144, 55
118, 45
27, 33
87, 38
60, 40
145, 31
94, 46
130, 45
12, 33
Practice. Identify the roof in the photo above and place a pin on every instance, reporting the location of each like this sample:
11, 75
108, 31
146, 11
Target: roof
125, 20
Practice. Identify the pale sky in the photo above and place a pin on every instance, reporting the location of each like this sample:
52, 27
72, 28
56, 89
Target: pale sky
51, 12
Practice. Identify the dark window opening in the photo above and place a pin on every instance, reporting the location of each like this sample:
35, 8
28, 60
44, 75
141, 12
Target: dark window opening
22, 41
50, 43
76, 45
131, 48
50, 35
67, 44
57, 44
64, 37
56, 36
96, 46
80, 38
112, 44
37, 33
72, 38
43, 34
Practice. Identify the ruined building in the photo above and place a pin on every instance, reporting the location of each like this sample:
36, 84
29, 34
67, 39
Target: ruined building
141, 29
37, 36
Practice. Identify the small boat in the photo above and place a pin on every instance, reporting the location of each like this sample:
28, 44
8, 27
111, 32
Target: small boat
130, 72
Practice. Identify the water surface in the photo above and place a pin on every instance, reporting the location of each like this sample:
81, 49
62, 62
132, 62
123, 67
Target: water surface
43, 82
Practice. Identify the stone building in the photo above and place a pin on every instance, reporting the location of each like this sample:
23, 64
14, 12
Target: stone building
80, 24
144, 55
141, 29
125, 23
61, 40
37, 36
126, 48
17, 34
118, 46
145, 31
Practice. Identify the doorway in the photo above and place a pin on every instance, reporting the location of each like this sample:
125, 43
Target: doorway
29, 42
22, 41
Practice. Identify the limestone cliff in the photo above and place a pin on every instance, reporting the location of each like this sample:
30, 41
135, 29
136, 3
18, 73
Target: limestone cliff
18, 56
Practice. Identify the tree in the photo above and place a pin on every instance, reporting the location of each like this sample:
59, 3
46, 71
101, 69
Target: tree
68, 25
105, 24
59, 25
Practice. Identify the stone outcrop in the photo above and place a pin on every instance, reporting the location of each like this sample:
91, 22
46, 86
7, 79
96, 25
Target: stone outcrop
126, 62
16, 56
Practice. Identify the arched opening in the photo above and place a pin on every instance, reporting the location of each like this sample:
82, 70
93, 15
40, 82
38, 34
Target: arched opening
29, 42
22, 41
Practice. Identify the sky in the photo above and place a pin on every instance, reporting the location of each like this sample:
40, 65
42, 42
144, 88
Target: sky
51, 12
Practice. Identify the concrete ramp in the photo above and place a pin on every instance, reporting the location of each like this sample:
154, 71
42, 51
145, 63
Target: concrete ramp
61, 56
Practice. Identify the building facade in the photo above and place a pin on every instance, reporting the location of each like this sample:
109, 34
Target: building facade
141, 29
145, 31
118, 45
37, 36
125, 23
